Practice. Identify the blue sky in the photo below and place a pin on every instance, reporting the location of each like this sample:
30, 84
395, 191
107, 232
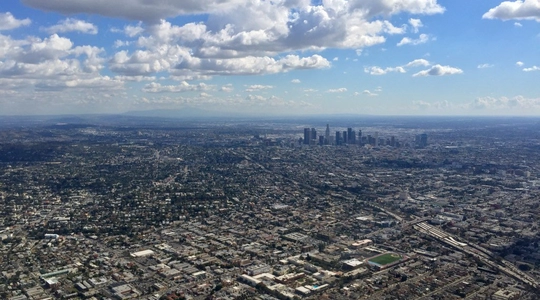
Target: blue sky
281, 57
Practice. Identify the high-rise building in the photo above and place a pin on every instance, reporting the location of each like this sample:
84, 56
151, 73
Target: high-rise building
360, 137
349, 135
313, 136
344, 137
307, 135
338, 138
321, 140
421, 140
327, 135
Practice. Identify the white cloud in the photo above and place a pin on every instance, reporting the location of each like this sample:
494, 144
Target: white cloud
438, 105
161, 9
418, 63
422, 39
399, 69
392, 7
252, 65
504, 103
515, 10
533, 68
517, 24
339, 90
310, 90
438, 70
227, 88
135, 78
258, 87
182, 87
381, 71
295, 81
133, 31
519, 63
485, 66
273, 26
69, 25
273, 39
415, 24
52, 64
8, 21
369, 93
119, 44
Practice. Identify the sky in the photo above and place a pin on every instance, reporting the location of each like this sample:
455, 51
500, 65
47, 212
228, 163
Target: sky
278, 57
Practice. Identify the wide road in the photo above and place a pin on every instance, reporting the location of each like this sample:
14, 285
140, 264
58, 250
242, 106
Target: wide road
478, 252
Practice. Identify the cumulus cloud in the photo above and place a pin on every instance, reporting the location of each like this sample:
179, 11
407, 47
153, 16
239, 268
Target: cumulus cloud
273, 27
227, 88
415, 24
517, 24
273, 39
339, 90
418, 63
533, 68
515, 10
258, 87
519, 63
161, 9
295, 81
182, 87
392, 7
8, 21
517, 102
119, 44
437, 105
52, 64
69, 25
485, 66
252, 65
381, 71
438, 70
370, 93
374, 70
422, 39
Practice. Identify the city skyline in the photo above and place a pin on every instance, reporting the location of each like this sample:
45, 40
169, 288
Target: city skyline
391, 57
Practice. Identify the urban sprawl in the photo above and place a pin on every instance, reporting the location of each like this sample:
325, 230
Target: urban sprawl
413, 209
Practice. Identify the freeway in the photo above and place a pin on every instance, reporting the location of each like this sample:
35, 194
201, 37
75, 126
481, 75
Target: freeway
478, 252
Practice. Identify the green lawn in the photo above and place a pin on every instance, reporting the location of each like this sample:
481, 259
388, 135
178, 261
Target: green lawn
385, 259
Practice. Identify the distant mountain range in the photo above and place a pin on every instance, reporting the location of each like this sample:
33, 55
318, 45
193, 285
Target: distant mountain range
184, 113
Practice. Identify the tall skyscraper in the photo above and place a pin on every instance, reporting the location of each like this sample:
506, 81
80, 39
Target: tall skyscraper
307, 135
327, 134
421, 140
349, 135
338, 138
313, 135
344, 137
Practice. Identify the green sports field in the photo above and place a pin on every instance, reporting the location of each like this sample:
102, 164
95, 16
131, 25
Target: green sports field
385, 259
